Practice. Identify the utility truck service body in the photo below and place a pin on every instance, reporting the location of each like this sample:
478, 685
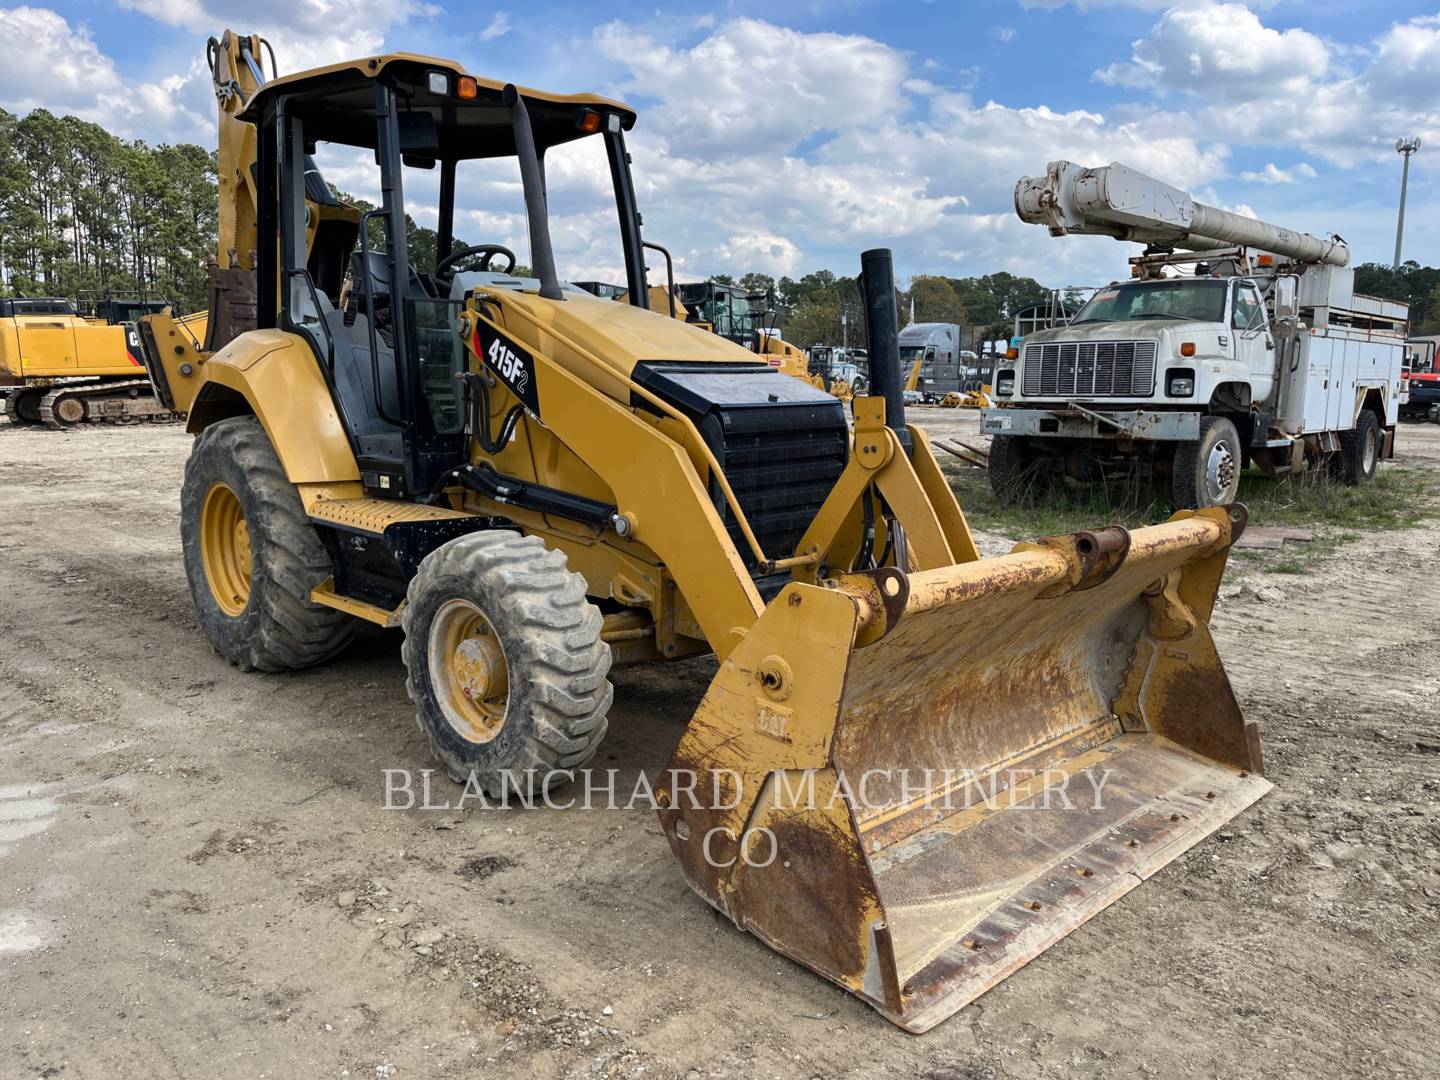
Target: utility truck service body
1236, 343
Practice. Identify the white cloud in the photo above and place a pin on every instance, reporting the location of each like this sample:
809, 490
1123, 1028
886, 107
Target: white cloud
767, 253
757, 86
1273, 174
1250, 83
1005, 33
44, 62
763, 147
731, 185
1219, 50
498, 26
305, 33
1138, 5
1407, 58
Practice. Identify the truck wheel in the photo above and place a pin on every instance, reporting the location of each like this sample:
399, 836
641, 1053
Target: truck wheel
1207, 471
252, 555
1360, 449
504, 662
1013, 471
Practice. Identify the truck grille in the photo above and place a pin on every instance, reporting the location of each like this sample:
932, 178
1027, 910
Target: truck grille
1089, 369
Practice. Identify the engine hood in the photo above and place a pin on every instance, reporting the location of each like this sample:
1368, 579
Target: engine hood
618, 334
603, 341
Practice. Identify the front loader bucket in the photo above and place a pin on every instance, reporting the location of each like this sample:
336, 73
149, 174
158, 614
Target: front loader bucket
915, 785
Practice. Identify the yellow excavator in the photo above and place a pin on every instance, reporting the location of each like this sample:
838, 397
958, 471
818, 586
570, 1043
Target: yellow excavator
60, 368
914, 770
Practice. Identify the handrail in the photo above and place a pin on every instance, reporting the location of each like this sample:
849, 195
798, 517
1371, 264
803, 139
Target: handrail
731, 499
669, 271
370, 312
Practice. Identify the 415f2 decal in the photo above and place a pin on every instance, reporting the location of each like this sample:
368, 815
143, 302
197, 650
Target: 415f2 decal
511, 362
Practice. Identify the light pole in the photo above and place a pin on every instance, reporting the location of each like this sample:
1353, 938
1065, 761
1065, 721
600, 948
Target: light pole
1404, 147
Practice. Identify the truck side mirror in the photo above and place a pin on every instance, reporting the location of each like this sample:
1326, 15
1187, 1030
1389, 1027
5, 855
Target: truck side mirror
1286, 297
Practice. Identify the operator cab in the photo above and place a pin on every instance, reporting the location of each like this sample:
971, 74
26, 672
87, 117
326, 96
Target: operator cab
379, 315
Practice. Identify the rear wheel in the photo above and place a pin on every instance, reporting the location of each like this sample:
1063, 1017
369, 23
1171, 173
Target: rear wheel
252, 555
1207, 471
504, 661
1360, 449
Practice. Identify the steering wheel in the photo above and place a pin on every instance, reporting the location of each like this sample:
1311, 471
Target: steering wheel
447, 267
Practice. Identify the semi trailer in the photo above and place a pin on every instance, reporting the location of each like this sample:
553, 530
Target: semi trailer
1235, 343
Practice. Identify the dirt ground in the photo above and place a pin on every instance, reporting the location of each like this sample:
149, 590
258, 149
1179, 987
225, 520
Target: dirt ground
198, 876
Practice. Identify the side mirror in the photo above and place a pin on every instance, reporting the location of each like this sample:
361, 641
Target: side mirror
1286, 298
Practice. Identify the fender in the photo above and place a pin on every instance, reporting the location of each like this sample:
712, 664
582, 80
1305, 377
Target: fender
273, 374
1363, 391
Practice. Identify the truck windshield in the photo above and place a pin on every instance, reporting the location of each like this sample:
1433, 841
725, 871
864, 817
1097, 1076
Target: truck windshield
1194, 301
911, 353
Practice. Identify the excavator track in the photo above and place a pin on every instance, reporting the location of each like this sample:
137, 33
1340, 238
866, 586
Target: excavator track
22, 406
129, 402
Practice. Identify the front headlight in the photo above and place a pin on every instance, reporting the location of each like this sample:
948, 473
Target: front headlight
1005, 383
1180, 383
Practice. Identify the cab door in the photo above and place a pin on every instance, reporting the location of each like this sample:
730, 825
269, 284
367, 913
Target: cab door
1254, 339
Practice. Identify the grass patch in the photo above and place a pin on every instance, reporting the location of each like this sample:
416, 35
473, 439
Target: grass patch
1399, 497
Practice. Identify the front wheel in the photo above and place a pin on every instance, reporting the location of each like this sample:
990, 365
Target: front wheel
504, 662
1017, 474
1207, 471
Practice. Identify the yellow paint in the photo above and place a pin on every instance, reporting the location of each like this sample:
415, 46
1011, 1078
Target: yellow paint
325, 593
63, 346
225, 549
277, 374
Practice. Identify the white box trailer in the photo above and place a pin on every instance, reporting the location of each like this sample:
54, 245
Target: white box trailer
1214, 357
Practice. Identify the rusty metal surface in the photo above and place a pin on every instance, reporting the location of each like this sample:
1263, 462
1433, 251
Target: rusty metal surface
982, 900
953, 740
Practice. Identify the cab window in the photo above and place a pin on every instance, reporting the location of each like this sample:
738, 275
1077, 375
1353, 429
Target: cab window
1249, 312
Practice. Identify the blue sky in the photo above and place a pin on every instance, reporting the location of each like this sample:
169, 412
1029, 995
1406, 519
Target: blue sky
788, 138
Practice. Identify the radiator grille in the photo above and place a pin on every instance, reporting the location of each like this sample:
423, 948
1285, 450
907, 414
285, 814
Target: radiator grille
1089, 369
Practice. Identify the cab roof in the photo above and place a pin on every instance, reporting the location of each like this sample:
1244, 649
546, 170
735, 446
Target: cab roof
337, 103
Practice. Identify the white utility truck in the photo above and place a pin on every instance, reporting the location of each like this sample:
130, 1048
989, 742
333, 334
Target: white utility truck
1235, 343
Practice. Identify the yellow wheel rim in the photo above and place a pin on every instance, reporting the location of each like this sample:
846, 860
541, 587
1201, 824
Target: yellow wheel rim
225, 549
468, 671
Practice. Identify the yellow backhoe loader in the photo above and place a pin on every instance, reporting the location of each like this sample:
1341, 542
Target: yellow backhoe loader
915, 769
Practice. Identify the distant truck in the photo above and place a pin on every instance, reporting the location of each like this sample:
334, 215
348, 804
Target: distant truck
1236, 343
835, 363
1423, 399
945, 368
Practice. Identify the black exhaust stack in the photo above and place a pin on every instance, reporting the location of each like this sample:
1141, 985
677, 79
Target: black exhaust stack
882, 328
535, 209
